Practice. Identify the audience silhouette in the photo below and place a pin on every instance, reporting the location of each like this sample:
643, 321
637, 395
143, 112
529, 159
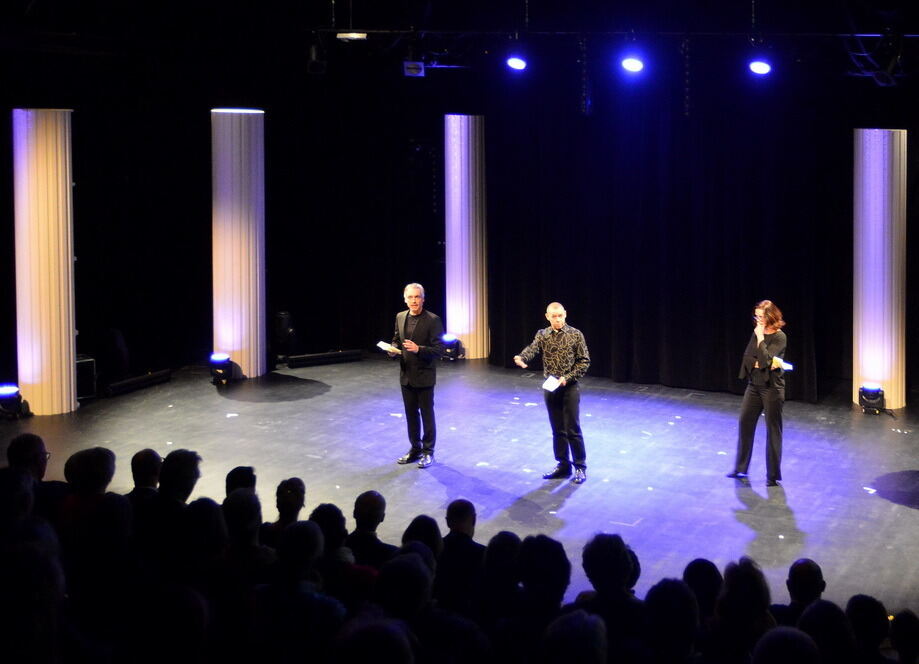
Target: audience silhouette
87, 575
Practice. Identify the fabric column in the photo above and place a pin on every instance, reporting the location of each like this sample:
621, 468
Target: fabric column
466, 266
45, 332
238, 156
879, 269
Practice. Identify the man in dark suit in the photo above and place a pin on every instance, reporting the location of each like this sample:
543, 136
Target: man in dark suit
419, 335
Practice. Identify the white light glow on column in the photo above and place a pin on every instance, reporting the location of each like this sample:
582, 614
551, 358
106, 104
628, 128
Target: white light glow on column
466, 257
879, 268
238, 161
45, 333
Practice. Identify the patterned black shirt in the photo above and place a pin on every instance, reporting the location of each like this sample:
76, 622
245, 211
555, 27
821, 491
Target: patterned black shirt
564, 352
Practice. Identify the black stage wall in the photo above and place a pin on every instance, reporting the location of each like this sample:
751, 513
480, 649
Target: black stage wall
658, 211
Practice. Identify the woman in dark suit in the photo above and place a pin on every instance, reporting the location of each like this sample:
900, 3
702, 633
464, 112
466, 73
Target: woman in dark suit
762, 368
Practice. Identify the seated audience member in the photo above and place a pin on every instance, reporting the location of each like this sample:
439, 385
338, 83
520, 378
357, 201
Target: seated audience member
249, 561
27, 452
499, 593
704, 578
363, 641
32, 618
145, 469
830, 629
575, 637
904, 637
785, 645
609, 567
545, 573
742, 613
805, 584
673, 622
206, 541
369, 513
425, 529
403, 588
294, 621
95, 532
289, 499
871, 627
461, 565
341, 578
159, 539
241, 477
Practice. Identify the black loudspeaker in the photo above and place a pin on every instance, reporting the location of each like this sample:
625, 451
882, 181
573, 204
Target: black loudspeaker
86, 377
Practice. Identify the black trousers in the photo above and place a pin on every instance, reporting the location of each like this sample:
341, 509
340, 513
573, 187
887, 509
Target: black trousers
564, 415
756, 399
419, 410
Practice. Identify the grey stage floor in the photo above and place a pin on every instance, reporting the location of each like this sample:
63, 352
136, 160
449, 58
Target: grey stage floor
657, 459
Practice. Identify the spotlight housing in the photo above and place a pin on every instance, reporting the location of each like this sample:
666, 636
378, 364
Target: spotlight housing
221, 368
453, 348
12, 405
871, 398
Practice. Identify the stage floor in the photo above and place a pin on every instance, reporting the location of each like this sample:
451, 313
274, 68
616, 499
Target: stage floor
656, 463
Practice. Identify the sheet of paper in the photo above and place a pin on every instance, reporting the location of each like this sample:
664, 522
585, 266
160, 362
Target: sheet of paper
551, 384
389, 348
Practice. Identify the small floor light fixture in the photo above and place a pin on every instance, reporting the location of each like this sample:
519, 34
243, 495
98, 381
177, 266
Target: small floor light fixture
221, 368
12, 405
871, 398
453, 348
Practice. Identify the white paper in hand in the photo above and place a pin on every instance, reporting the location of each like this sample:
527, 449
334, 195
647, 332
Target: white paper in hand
551, 384
389, 348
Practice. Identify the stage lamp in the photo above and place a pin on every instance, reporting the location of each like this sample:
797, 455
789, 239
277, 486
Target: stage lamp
12, 405
453, 348
871, 398
760, 67
221, 368
516, 61
632, 64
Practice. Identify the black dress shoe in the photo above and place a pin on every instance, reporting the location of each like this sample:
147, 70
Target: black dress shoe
425, 460
409, 457
772, 483
737, 476
580, 475
561, 471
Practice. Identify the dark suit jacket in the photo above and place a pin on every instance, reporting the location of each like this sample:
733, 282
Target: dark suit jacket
774, 346
419, 369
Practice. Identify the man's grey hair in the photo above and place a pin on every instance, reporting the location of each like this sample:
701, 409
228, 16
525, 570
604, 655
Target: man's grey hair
413, 285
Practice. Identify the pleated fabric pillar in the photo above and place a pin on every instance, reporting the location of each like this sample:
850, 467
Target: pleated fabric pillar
238, 156
466, 257
45, 332
879, 269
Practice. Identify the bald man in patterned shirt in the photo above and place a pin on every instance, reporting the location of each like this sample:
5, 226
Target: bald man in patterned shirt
565, 356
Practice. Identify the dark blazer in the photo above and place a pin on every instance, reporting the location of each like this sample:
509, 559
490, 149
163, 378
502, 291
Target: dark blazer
773, 346
420, 369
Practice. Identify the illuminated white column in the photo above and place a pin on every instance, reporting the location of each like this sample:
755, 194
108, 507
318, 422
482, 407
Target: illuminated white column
238, 156
879, 270
466, 269
45, 333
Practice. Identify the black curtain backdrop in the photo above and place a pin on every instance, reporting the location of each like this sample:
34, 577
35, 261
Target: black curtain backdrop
658, 211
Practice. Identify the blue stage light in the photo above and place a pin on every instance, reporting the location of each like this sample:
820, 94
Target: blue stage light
632, 64
221, 368
516, 63
12, 405
760, 67
449, 338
